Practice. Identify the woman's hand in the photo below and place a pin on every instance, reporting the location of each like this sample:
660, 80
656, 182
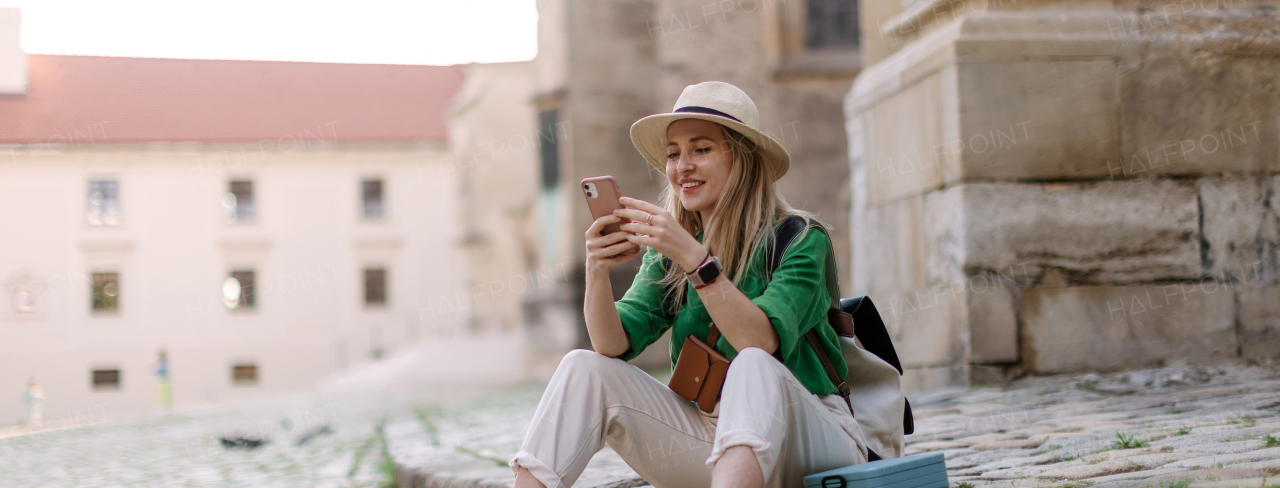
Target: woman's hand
605, 252
652, 226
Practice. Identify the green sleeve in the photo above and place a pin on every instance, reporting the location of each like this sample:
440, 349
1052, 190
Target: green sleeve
797, 298
644, 318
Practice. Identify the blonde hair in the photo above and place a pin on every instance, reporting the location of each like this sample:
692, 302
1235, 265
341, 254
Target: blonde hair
742, 221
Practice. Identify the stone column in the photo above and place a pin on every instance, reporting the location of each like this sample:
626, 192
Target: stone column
1050, 187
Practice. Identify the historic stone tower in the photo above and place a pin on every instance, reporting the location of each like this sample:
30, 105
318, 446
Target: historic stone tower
1065, 186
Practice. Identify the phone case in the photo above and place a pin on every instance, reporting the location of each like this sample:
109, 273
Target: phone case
603, 200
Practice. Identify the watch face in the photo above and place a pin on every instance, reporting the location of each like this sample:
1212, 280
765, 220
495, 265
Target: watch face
709, 271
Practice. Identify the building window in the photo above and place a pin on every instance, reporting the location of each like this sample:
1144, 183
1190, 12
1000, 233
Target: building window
103, 203
238, 290
831, 24
106, 379
237, 204
106, 292
371, 199
549, 147
375, 286
244, 374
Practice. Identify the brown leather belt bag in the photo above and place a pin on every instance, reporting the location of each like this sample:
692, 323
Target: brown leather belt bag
700, 371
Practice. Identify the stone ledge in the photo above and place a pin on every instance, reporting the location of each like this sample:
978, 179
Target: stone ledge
1046, 34
968, 101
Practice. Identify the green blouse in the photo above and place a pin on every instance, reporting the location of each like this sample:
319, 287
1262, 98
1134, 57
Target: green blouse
795, 301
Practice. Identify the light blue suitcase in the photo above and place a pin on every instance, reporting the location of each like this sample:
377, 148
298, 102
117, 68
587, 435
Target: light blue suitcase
919, 471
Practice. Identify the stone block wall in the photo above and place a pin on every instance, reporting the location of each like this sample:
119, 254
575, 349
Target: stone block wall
1062, 189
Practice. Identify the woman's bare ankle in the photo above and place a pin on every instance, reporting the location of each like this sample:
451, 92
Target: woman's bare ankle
525, 479
737, 467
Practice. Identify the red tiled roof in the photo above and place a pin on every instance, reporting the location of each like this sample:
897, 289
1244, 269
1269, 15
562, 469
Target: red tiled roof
139, 99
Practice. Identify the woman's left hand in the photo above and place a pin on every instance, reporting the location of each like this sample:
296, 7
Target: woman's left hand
652, 226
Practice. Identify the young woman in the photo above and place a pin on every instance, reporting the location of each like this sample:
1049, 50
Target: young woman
779, 417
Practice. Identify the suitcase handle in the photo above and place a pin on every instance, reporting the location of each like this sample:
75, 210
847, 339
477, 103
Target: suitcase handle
839, 479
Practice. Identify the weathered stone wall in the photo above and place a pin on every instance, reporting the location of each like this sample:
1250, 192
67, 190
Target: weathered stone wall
1060, 189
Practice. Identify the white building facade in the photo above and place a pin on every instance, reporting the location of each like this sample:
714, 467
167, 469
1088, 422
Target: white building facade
266, 225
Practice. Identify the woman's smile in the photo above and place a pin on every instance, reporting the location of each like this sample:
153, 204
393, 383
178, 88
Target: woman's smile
690, 185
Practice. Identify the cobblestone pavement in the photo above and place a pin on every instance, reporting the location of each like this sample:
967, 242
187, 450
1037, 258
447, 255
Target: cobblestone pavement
185, 450
1212, 426
1171, 427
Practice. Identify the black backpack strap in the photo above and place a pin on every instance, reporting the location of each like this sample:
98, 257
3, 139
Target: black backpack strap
783, 235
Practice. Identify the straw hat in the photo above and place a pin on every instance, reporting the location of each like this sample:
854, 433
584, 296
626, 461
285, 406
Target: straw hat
717, 102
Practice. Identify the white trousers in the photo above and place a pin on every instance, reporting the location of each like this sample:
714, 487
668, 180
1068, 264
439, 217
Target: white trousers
594, 400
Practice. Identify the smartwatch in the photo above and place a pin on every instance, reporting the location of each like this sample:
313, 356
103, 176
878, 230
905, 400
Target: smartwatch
706, 273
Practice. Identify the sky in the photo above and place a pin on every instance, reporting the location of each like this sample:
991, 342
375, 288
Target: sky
432, 32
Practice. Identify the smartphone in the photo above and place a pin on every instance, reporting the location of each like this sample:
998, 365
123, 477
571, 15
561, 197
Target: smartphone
602, 198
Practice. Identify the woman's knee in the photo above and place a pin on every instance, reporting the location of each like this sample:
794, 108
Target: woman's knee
752, 357
583, 361
579, 368
751, 364
582, 358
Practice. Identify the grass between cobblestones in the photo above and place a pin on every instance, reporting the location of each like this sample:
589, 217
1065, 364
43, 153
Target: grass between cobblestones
426, 418
1128, 442
385, 465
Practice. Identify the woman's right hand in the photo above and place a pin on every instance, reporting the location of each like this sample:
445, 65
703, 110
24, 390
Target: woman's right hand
605, 252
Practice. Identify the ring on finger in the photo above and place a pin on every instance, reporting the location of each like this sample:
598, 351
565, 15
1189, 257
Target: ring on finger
649, 221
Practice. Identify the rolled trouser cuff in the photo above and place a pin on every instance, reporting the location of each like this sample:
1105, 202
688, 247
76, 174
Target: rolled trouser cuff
735, 438
537, 468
